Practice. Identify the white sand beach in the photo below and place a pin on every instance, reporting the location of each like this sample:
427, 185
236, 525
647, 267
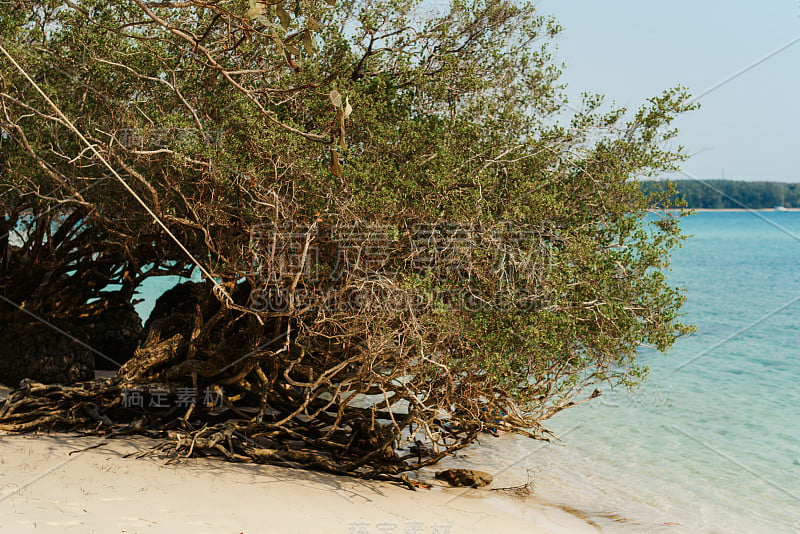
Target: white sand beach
48, 483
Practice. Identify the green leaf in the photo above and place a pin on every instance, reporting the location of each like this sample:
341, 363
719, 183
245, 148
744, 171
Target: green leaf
286, 19
292, 49
348, 109
313, 25
336, 167
336, 99
255, 11
308, 43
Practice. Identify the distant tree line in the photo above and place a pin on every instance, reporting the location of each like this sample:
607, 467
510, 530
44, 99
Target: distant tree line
724, 194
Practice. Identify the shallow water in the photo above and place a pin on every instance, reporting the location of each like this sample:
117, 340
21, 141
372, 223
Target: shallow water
712, 441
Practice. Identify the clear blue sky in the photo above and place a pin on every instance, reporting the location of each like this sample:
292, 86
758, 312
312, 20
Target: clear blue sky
630, 50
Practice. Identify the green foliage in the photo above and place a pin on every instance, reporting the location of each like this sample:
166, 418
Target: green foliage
393, 119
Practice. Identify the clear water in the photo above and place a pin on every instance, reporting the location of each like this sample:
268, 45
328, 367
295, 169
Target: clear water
154, 288
711, 443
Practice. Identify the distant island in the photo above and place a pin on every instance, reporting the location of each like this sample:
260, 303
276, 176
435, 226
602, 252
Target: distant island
731, 194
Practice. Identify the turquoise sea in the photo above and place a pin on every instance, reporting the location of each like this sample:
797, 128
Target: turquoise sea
711, 442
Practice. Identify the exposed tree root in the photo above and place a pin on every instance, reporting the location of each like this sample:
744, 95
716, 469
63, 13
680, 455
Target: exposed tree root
96, 408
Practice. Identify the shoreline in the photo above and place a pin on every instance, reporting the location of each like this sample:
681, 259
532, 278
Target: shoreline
706, 210
56, 483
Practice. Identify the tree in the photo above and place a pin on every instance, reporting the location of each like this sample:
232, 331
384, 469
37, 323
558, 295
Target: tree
403, 241
728, 194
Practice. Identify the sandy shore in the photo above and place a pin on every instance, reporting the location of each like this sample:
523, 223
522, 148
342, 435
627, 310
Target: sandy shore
48, 483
